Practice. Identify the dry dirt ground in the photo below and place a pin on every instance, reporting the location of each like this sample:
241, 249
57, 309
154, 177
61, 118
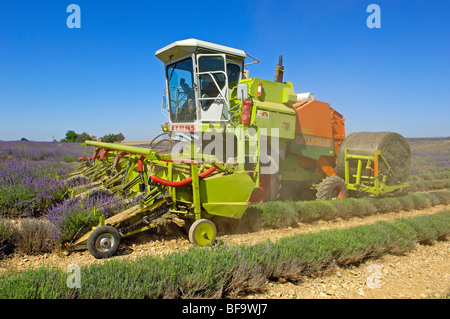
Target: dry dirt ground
421, 273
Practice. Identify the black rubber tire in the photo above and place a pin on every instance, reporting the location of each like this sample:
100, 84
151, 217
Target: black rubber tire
103, 242
332, 187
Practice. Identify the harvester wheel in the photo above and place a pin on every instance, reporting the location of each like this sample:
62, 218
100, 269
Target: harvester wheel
332, 187
103, 242
202, 232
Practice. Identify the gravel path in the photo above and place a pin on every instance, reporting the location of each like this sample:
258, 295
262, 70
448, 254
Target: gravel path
421, 273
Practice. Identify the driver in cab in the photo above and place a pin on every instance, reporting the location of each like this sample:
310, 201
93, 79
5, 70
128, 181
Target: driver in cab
187, 112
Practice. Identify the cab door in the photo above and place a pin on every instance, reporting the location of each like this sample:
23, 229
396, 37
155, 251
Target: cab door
213, 87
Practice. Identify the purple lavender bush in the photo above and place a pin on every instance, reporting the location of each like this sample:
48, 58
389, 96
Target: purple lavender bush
75, 216
429, 155
38, 151
29, 188
32, 175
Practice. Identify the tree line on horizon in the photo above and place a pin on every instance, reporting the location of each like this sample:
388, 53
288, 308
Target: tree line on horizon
73, 137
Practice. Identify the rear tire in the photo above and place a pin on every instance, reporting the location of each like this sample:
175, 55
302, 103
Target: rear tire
103, 242
332, 187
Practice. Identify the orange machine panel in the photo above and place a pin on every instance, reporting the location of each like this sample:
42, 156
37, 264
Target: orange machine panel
317, 118
313, 118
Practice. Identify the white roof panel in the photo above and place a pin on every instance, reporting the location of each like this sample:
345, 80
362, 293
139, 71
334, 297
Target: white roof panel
178, 49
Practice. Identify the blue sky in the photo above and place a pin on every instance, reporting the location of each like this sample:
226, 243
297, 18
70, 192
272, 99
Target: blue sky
104, 78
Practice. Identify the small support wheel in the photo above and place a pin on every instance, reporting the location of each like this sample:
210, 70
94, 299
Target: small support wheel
202, 233
103, 242
332, 187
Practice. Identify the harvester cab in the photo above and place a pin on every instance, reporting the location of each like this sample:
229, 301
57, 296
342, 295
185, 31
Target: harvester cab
199, 76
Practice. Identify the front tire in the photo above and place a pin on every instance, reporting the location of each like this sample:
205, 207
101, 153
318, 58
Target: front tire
103, 242
202, 233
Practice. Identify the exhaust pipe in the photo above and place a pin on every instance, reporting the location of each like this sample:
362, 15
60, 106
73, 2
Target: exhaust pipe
279, 69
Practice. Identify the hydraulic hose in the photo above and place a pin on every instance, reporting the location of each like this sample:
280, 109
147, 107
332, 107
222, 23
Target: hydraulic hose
81, 158
184, 182
118, 157
102, 156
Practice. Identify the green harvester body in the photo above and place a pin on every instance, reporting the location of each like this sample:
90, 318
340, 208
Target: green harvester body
230, 155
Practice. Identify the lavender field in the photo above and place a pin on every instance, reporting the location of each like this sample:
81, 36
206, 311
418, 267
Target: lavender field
429, 155
34, 188
32, 175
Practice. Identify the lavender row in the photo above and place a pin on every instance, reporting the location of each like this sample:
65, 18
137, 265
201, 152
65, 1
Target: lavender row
38, 151
75, 214
32, 175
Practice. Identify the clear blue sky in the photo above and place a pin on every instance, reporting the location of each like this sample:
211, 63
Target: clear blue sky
104, 78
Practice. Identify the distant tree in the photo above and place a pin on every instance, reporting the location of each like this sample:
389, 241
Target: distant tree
120, 137
112, 138
83, 137
23, 139
71, 136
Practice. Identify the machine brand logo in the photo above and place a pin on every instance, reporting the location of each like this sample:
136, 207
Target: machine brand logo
309, 140
182, 128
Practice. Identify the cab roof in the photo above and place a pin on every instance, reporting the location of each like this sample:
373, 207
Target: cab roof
179, 49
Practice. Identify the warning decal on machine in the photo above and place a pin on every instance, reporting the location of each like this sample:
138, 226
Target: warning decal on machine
262, 114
